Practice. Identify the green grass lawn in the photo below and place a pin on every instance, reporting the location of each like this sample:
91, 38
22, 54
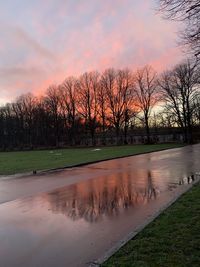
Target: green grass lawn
17, 162
172, 240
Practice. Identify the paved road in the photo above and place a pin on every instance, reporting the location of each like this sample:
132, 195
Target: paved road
73, 217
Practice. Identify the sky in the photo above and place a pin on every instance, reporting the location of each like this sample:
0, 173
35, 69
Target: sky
43, 42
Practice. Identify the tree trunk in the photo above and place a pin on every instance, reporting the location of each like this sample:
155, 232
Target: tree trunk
147, 129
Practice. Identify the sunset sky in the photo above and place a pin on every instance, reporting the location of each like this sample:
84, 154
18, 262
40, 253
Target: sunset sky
42, 42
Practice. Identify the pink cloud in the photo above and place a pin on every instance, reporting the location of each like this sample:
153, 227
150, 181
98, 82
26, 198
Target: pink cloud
117, 35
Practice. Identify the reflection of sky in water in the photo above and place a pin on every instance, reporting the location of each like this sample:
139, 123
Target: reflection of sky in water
95, 199
109, 195
105, 196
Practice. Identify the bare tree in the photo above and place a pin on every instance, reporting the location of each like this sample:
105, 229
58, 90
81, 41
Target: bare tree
171, 98
146, 92
42, 123
52, 103
125, 83
87, 87
102, 108
17, 109
119, 93
9, 127
180, 88
28, 103
68, 100
189, 13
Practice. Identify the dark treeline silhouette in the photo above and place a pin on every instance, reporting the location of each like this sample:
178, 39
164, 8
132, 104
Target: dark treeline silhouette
180, 91
108, 105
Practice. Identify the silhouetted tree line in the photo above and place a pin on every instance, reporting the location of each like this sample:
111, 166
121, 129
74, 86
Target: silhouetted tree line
107, 104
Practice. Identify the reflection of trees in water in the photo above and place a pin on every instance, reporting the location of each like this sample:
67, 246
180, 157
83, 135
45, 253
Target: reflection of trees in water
150, 191
93, 199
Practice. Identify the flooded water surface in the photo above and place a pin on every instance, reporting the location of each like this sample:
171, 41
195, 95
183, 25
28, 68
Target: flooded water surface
75, 224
